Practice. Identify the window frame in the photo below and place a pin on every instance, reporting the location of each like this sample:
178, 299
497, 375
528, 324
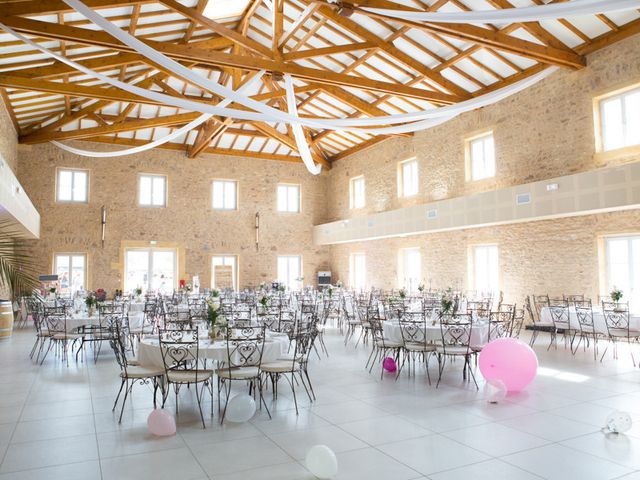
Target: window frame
236, 269
166, 190
288, 186
73, 172
70, 255
469, 160
402, 190
598, 116
607, 281
353, 199
150, 265
403, 264
353, 280
291, 282
473, 284
224, 182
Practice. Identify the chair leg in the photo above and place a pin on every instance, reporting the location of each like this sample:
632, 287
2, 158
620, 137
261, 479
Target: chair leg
118, 396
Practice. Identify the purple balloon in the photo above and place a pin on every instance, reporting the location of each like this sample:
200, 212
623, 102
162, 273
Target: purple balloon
389, 364
509, 360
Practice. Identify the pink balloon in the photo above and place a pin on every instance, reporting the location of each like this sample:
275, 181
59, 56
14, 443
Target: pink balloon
161, 423
389, 364
509, 360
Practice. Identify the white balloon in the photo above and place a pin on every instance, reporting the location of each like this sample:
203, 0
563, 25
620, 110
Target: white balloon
322, 462
618, 422
241, 408
495, 390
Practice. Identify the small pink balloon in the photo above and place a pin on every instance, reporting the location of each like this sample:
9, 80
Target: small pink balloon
389, 364
509, 360
161, 423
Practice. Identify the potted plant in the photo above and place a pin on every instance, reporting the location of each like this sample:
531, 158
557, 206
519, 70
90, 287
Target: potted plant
18, 275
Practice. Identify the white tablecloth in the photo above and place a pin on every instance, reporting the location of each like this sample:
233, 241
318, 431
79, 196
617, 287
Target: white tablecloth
599, 322
149, 354
479, 333
82, 319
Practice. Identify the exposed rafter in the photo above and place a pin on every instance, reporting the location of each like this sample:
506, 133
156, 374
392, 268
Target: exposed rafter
366, 65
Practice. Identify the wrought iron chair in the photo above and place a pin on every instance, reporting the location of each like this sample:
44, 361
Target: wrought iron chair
456, 332
180, 355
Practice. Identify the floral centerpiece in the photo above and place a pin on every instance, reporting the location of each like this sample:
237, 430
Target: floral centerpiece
616, 294
215, 318
402, 293
330, 290
91, 301
264, 301
447, 301
421, 288
101, 294
137, 292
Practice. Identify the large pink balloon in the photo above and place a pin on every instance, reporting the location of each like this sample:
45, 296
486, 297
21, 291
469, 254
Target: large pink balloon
509, 360
161, 423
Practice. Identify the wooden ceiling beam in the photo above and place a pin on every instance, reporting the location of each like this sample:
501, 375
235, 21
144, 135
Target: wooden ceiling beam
126, 126
45, 7
390, 49
197, 17
209, 150
489, 38
216, 59
320, 52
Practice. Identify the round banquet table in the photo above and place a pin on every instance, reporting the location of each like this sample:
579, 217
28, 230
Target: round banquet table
479, 333
149, 354
82, 319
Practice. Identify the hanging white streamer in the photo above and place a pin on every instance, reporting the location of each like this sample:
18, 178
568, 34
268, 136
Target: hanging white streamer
298, 133
514, 15
160, 141
277, 115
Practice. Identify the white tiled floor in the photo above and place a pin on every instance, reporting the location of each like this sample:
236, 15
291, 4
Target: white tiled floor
56, 423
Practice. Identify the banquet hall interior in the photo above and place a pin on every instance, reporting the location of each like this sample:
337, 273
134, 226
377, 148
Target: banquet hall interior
320, 239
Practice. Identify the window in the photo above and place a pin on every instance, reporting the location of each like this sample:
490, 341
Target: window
620, 120
408, 178
71, 269
623, 267
288, 198
224, 272
153, 191
485, 268
72, 186
410, 269
290, 271
356, 192
150, 269
224, 195
481, 157
358, 271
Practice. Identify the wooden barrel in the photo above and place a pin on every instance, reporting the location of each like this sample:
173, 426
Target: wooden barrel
6, 319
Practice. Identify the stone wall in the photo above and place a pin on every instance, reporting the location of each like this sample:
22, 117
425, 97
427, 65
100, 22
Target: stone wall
542, 132
8, 139
188, 220
550, 256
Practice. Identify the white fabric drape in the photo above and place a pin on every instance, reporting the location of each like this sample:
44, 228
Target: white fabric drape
160, 141
298, 133
514, 15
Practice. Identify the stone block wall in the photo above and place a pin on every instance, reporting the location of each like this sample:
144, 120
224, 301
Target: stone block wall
543, 132
188, 220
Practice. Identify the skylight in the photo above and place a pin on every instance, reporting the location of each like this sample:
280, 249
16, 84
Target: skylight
218, 9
